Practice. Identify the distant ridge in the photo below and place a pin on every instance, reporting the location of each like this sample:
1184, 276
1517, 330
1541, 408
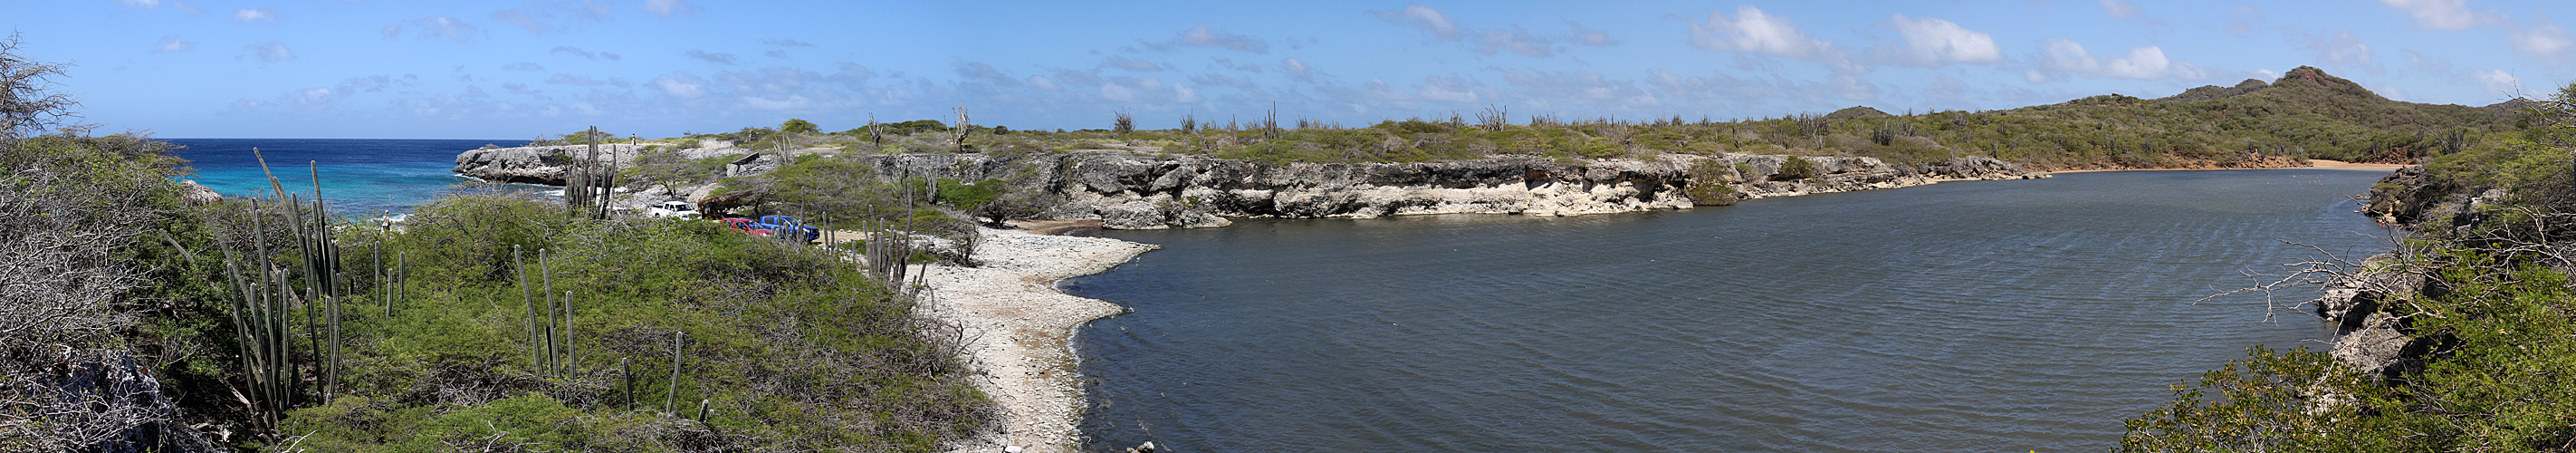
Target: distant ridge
1857, 111
2214, 92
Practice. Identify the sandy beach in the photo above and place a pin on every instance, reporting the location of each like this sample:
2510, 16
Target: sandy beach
1017, 326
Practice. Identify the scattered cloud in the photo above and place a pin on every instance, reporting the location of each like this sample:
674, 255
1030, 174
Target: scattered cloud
2143, 63
436, 27
710, 57
1753, 31
1230, 64
1422, 17
270, 52
1590, 36
668, 8
1515, 41
2540, 40
2265, 75
786, 43
540, 18
2242, 19
1205, 36
2444, 15
2342, 48
255, 15
569, 79
1132, 64
529, 66
2497, 80
576, 51
1297, 70
1933, 42
2120, 9
170, 44
680, 84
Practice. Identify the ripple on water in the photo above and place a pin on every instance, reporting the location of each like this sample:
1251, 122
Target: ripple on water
1971, 316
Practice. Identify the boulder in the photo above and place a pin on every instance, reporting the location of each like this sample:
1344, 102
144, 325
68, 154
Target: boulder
197, 194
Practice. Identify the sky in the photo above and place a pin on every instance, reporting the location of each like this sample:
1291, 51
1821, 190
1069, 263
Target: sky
506, 69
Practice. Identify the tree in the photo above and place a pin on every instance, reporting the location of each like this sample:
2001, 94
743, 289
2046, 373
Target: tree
26, 107
73, 213
799, 126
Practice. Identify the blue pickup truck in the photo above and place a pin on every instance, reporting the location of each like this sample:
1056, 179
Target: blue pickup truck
789, 227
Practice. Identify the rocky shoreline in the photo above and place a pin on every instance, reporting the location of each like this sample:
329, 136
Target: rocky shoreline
1133, 190
1018, 328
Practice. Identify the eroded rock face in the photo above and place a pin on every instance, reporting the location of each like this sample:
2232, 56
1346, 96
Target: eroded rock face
1129, 191
547, 165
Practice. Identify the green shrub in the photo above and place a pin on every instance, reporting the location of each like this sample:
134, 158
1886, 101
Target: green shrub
1796, 168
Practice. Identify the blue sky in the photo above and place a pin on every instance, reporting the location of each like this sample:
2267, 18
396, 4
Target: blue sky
515, 69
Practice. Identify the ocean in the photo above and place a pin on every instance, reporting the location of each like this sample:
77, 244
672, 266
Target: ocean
360, 177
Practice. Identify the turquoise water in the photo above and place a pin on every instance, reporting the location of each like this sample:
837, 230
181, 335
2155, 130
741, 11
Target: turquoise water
1973, 316
360, 177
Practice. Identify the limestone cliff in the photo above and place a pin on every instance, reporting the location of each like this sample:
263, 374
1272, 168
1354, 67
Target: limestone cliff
1141, 191
1134, 191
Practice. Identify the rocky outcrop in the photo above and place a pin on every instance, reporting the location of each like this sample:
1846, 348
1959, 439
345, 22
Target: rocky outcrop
2379, 344
1138, 191
1129, 191
548, 165
198, 194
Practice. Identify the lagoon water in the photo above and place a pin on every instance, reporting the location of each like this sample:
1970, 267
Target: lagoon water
1977, 316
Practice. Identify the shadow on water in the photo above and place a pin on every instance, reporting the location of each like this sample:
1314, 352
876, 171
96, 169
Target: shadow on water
2011, 315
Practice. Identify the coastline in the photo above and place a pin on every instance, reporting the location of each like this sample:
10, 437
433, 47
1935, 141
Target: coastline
2316, 164
1018, 327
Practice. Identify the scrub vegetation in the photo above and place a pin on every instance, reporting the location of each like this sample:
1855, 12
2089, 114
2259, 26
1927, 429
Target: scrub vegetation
2306, 114
137, 317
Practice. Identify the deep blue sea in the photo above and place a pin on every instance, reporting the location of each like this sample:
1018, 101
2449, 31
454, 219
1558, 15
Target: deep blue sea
360, 177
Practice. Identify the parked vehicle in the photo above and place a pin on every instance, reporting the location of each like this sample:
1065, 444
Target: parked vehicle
794, 229
748, 226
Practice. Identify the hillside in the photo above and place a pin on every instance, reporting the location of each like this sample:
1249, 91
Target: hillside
2304, 114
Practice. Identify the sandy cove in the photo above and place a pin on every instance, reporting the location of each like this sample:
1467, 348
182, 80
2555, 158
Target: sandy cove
1017, 325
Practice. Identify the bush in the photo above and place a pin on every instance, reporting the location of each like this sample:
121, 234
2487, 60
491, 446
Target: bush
1796, 168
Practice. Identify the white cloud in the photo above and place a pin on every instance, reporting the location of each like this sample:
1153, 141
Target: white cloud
2497, 80
270, 52
667, 8
2240, 21
2266, 75
255, 15
1042, 83
2120, 9
681, 85
172, 44
576, 51
1516, 41
2143, 63
1932, 42
1132, 64
710, 57
142, 3
438, 27
2542, 40
1204, 36
2342, 48
1590, 36
1423, 17
2445, 15
1752, 31
1297, 69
